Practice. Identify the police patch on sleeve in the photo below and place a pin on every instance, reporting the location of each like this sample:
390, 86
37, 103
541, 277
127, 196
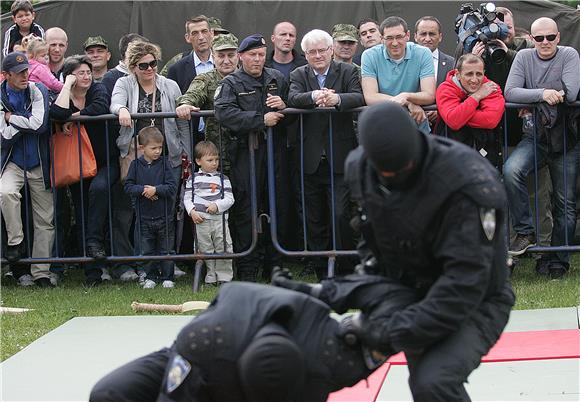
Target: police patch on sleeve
488, 222
217, 92
177, 373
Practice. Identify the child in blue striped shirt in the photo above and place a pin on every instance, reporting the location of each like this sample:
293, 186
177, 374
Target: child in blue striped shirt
208, 196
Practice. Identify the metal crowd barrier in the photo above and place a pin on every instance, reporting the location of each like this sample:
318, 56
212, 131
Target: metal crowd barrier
331, 254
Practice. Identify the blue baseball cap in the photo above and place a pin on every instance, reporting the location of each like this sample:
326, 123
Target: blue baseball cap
15, 62
254, 41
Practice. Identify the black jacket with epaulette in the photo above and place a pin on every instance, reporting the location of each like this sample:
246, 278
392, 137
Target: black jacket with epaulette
449, 224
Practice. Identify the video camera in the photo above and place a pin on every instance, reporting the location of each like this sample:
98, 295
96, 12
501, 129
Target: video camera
473, 26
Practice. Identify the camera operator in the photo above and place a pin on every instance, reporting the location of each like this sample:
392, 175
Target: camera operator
498, 71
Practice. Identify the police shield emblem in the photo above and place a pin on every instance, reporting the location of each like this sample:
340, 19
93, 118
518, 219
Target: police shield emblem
488, 222
177, 373
217, 92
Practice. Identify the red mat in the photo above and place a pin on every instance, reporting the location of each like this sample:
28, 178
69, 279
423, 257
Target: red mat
363, 391
528, 345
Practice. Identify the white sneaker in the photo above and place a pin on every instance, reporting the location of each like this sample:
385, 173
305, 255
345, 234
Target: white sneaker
53, 279
149, 284
178, 273
129, 276
168, 284
142, 275
105, 276
26, 280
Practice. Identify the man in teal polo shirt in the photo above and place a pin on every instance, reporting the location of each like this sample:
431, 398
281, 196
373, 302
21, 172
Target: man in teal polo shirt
399, 71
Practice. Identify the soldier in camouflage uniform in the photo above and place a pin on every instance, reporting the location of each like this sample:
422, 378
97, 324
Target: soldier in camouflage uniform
345, 38
214, 23
200, 93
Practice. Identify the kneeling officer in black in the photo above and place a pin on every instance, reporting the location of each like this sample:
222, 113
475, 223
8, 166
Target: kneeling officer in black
432, 214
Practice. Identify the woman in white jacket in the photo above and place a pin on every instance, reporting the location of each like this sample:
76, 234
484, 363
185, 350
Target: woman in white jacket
136, 93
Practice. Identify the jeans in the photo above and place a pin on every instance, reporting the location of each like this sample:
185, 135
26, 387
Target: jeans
517, 168
156, 237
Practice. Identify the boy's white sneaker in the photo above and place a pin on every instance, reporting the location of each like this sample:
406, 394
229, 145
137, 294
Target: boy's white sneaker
105, 276
178, 273
142, 275
149, 284
168, 284
129, 276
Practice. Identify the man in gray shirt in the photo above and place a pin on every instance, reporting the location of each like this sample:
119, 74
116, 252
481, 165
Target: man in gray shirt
549, 75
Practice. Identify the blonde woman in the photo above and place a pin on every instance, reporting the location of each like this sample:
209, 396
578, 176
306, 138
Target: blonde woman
136, 93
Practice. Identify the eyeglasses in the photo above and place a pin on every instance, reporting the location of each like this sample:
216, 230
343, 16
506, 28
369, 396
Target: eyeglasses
314, 52
145, 66
540, 38
392, 38
86, 73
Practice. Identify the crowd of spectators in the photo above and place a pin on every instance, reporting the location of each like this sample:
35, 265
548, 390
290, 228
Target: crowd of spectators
117, 212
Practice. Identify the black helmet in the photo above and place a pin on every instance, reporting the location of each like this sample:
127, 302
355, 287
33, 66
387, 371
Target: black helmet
272, 366
391, 140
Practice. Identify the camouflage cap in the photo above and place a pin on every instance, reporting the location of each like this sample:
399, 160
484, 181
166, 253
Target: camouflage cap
95, 41
345, 32
216, 25
224, 41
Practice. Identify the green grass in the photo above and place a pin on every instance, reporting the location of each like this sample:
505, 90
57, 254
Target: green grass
54, 307
534, 292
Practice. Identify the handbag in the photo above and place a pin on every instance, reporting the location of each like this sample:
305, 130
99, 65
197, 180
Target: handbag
125, 161
65, 150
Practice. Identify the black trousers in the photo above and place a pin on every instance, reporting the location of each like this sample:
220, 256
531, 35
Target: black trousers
240, 220
438, 372
138, 380
319, 201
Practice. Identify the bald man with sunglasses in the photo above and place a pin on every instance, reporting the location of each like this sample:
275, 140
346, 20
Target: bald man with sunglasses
548, 75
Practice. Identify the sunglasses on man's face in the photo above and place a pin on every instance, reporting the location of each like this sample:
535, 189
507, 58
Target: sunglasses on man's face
540, 38
145, 66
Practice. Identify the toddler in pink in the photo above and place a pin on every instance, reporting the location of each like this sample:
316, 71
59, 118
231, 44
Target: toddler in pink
37, 51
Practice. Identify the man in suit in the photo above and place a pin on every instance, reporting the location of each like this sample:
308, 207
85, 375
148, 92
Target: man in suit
428, 33
326, 83
200, 35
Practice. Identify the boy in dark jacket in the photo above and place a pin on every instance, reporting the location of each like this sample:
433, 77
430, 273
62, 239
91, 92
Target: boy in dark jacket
153, 188
23, 16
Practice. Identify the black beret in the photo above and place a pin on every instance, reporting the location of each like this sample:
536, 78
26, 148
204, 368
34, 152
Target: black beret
252, 42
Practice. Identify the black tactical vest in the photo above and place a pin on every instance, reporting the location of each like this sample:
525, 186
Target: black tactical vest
401, 225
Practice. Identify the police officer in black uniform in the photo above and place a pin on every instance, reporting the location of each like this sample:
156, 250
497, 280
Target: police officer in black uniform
247, 103
255, 343
433, 220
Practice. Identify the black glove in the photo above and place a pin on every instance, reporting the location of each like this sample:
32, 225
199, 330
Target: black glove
282, 278
350, 329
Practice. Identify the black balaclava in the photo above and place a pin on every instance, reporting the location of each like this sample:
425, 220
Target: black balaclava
272, 366
391, 140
